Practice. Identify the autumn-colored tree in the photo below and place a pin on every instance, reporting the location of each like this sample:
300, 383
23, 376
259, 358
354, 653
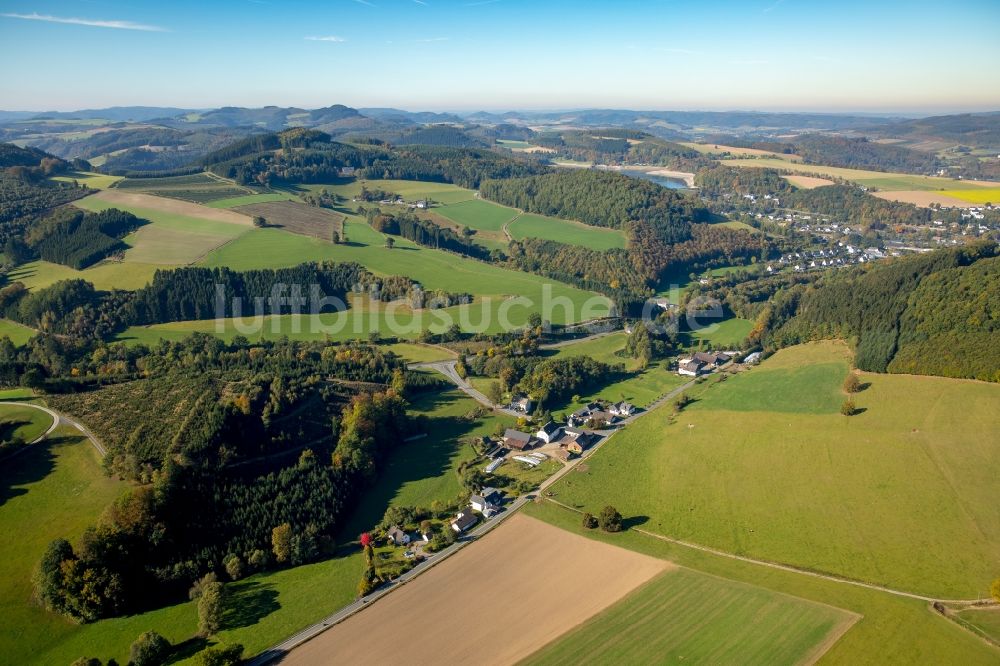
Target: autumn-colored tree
281, 542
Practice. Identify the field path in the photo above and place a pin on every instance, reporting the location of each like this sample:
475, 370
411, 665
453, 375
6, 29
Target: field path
61, 419
506, 226
448, 369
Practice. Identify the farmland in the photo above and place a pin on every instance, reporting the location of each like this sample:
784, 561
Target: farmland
726, 334
529, 571
296, 217
892, 629
478, 214
717, 150
97, 181
198, 188
764, 465
885, 181
247, 199
530, 225
442, 193
978, 196
687, 616
807, 182
178, 233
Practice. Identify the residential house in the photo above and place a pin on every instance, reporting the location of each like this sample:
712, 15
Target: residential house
622, 409
690, 367
522, 404
398, 537
517, 440
752, 359
464, 520
549, 432
487, 502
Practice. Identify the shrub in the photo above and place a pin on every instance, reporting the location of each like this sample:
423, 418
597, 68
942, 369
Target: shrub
220, 656
234, 566
150, 649
848, 408
199, 585
589, 521
610, 520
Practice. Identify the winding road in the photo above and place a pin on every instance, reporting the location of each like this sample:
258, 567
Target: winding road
61, 419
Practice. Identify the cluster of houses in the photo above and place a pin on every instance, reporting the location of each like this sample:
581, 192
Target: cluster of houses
702, 363
487, 503
842, 255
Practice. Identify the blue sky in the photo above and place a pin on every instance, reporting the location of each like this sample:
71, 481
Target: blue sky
502, 54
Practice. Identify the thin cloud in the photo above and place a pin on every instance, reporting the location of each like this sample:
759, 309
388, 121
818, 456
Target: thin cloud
481, 2
365, 3
420, 2
93, 23
774, 5
327, 38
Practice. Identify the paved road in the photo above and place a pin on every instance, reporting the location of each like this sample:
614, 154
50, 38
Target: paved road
61, 419
448, 369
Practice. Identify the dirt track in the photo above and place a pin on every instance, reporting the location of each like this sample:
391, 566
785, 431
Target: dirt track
494, 602
175, 206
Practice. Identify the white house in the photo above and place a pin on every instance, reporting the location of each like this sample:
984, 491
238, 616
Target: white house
464, 520
398, 537
622, 409
690, 367
549, 432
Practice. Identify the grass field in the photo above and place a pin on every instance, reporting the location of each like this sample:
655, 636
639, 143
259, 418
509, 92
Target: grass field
97, 181
684, 616
892, 630
171, 238
734, 151
530, 225
478, 214
419, 472
419, 353
727, 334
18, 333
903, 494
434, 269
985, 620
105, 275
20, 425
886, 181
198, 187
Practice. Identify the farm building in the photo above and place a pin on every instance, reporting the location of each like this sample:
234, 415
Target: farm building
515, 439
522, 404
464, 520
690, 367
711, 358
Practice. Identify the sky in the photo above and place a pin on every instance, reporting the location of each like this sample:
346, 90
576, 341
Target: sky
463, 55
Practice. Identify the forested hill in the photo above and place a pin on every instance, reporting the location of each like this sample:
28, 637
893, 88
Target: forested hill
309, 156
935, 314
863, 154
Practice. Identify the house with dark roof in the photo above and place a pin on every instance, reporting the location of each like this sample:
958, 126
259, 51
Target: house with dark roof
622, 409
464, 520
397, 536
549, 432
691, 368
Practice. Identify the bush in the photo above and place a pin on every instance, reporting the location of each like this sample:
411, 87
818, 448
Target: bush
589, 521
150, 649
851, 384
220, 656
234, 566
848, 408
199, 585
995, 590
610, 520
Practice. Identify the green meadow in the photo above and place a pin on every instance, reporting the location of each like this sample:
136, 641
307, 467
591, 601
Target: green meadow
18, 333
97, 181
530, 225
248, 199
726, 334
411, 190
105, 275
170, 238
478, 214
683, 616
891, 629
902, 494
22, 424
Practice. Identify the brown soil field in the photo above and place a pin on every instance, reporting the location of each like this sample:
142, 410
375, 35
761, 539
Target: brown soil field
175, 206
298, 218
807, 182
924, 198
494, 602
